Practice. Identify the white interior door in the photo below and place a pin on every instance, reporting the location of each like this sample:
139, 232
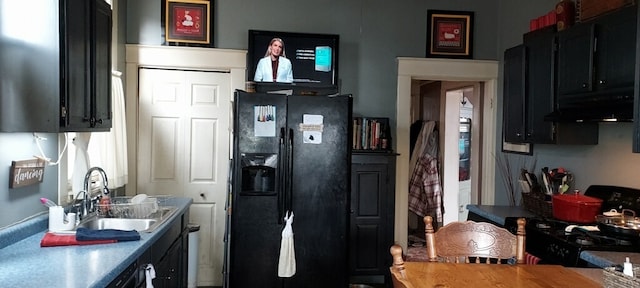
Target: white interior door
183, 150
451, 156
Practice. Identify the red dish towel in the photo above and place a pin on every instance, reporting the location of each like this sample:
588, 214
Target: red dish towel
52, 239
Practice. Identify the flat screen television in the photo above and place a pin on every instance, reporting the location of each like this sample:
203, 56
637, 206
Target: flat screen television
313, 57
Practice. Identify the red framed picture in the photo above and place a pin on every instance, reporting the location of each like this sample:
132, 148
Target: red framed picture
187, 21
449, 34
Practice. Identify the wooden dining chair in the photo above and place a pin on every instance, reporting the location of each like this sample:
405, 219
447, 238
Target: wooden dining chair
398, 275
477, 242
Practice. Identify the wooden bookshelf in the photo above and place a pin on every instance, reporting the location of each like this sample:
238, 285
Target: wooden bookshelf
371, 134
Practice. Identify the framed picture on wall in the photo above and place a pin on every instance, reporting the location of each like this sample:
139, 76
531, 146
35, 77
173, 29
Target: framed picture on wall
187, 22
449, 34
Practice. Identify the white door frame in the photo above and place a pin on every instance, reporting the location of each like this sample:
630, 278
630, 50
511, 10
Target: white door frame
173, 57
442, 70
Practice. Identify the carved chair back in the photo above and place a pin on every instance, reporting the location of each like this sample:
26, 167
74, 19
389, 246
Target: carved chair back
474, 242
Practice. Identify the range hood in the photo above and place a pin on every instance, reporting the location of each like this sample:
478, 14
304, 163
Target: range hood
602, 106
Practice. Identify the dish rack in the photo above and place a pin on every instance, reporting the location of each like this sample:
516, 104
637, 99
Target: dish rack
615, 279
121, 207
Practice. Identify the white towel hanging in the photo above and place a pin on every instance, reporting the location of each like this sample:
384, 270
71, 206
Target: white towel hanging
149, 275
287, 261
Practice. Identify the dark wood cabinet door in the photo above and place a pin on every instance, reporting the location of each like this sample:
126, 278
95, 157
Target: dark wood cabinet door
575, 59
615, 50
514, 95
541, 84
169, 270
372, 214
636, 94
102, 60
75, 100
30, 81
595, 56
86, 97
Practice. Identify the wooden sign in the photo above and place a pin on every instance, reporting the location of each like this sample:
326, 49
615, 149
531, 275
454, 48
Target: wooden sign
26, 172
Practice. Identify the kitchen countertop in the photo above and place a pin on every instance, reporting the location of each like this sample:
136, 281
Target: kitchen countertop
26, 264
498, 214
594, 274
604, 259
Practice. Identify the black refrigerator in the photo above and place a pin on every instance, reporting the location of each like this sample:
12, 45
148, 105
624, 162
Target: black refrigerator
290, 153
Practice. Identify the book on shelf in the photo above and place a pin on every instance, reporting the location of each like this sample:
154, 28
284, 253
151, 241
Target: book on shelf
371, 134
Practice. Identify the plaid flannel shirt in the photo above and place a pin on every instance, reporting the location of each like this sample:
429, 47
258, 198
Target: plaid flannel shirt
425, 192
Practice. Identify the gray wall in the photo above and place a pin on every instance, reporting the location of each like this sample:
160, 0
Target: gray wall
18, 203
372, 34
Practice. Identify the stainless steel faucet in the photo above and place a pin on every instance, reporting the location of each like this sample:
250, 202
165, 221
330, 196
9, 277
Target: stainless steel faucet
89, 201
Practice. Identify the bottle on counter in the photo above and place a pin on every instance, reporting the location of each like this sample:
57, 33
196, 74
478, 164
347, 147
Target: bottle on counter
104, 206
627, 268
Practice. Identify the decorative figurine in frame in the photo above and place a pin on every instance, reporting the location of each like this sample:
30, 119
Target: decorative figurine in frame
187, 23
450, 34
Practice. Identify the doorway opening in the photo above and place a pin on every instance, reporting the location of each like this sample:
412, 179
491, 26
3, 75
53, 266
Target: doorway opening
454, 142
455, 77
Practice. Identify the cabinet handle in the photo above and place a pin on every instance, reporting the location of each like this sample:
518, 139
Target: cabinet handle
602, 82
584, 85
93, 121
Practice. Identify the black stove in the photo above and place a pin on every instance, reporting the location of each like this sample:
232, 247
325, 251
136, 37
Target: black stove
560, 242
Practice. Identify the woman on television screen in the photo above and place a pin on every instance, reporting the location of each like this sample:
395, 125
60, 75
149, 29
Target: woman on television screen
274, 67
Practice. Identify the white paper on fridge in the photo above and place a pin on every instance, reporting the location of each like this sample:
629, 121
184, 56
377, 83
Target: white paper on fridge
264, 121
311, 128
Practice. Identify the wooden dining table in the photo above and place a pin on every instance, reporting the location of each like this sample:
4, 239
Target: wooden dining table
441, 275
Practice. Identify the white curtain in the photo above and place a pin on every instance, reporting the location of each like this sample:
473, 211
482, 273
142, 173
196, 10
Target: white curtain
81, 164
108, 150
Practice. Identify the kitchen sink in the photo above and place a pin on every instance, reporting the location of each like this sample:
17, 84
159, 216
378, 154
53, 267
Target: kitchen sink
141, 225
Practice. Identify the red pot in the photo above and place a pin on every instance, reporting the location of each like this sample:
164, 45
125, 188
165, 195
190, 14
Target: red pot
576, 208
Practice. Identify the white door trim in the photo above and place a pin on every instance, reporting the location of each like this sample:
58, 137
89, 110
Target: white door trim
173, 57
442, 70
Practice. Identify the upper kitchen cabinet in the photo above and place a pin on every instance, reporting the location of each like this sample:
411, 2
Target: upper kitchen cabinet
530, 91
86, 60
514, 105
593, 57
636, 95
59, 63
540, 52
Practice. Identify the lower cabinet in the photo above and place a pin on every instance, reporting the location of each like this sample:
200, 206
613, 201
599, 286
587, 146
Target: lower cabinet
170, 270
169, 257
372, 216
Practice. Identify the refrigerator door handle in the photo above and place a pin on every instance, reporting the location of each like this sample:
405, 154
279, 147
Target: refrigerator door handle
280, 185
289, 189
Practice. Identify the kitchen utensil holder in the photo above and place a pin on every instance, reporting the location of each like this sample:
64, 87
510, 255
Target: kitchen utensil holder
535, 202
